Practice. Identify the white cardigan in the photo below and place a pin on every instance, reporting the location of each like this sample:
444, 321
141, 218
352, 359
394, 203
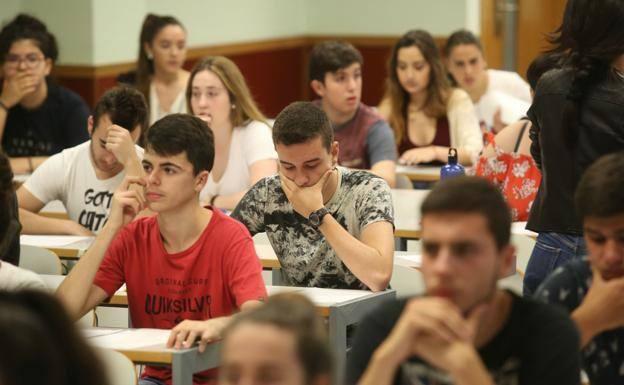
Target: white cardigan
464, 127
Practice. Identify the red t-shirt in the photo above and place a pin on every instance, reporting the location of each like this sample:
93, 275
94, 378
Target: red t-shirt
212, 278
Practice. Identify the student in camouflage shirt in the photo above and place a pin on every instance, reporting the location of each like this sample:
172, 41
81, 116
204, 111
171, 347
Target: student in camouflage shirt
329, 226
592, 289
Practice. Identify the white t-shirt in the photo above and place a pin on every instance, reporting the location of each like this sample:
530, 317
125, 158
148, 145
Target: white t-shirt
248, 145
69, 176
12, 278
506, 91
156, 112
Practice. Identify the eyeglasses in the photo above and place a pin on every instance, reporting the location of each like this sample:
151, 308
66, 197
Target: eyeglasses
31, 61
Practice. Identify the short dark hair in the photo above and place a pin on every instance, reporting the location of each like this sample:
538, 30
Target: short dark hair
330, 56
178, 133
40, 343
125, 106
296, 314
461, 37
300, 122
472, 195
599, 192
27, 27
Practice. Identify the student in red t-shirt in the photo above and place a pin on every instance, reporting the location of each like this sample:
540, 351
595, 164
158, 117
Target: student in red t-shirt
188, 268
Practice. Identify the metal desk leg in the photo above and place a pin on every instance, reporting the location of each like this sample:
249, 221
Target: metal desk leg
338, 341
400, 244
182, 366
276, 276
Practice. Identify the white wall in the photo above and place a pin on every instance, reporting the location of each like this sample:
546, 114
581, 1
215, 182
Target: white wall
98, 32
73, 30
378, 17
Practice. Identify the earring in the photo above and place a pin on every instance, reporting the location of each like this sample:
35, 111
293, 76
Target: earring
149, 55
233, 106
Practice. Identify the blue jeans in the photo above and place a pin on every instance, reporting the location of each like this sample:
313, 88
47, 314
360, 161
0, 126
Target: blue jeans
551, 251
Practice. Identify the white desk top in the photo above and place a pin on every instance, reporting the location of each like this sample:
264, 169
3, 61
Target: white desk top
420, 173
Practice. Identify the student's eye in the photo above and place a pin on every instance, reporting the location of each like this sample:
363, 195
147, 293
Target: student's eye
169, 170
181, 45
598, 239
430, 250
311, 166
213, 94
463, 250
420, 67
401, 67
357, 75
147, 168
165, 44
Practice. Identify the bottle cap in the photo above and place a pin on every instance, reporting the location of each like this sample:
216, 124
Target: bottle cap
452, 156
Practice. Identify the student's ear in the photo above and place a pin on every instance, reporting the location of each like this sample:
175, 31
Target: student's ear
90, 125
200, 180
335, 150
48, 66
318, 87
148, 51
508, 260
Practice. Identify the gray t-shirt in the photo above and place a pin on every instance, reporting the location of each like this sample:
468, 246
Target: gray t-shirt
307, 259
380, 143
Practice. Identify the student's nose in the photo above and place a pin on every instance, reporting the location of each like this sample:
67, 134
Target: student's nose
613, 253
351, 83
443, 263
109, 158
301, 179
152, 178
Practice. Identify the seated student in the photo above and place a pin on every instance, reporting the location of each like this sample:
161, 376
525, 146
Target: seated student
159, 74
84, 177
244, 151
427, 115
284, 340
40, 344
11, 277
335, 71
37, 117
195, 257
329, 226
591, 289
465, 330
507, 162
500, 97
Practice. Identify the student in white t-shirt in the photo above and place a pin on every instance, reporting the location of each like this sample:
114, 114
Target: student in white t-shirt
13, 278
84, 177
500, 97
217, 93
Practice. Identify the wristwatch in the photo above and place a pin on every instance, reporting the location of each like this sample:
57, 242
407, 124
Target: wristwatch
316, 217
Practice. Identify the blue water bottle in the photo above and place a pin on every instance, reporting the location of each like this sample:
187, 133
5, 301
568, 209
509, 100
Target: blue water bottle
452, 168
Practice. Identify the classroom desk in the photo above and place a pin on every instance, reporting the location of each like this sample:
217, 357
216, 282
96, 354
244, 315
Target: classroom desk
184, 362
420, 173
71, 247
407, 215
341, 308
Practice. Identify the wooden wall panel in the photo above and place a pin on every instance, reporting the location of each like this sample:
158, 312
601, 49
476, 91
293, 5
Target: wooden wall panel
276, 71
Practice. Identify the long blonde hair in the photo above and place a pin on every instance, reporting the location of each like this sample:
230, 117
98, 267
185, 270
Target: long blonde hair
438, 90
233, 80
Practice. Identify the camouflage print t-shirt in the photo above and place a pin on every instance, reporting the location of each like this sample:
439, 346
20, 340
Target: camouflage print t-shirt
307, 259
